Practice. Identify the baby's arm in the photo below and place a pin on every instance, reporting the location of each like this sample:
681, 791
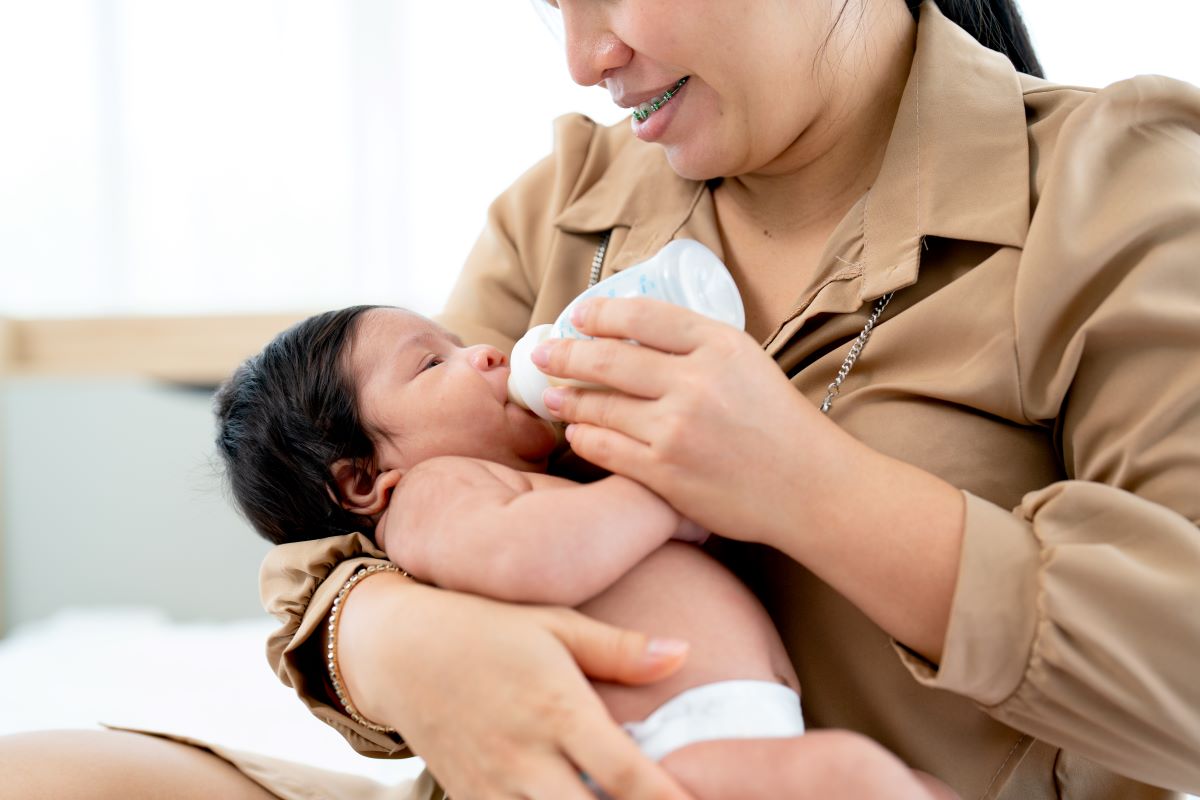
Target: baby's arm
477, 526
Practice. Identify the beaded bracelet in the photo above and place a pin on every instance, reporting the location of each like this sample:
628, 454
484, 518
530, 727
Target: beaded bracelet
331, 654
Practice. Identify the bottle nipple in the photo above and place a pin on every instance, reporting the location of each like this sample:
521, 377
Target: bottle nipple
525, 381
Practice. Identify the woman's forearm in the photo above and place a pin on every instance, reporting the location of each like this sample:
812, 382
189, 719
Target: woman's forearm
885, 534
468, 682
370, 670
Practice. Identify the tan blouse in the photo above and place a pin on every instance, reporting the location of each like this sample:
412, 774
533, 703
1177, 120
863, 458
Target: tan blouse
1042, 353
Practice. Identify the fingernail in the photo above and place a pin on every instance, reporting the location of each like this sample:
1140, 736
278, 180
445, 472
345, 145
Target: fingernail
540, 355
569, 432
553, 398
579, 313
666, 648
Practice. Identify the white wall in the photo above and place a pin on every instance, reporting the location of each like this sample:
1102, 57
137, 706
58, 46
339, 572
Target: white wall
196, 155
1098, 42
111, 497
201, 155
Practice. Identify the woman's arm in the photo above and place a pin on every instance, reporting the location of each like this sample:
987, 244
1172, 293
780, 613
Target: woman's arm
513, 681
511, 678
480, 527
1068, 617
720, 440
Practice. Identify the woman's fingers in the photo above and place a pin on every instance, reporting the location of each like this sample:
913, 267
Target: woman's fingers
613, 762
632, 416
559, 780
653, 323
608, 653
611, 450
634, 370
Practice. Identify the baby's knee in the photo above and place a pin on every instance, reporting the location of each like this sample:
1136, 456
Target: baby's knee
823, 763
845, 761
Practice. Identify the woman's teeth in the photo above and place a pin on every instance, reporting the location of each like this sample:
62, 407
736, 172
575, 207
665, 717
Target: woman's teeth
646, 109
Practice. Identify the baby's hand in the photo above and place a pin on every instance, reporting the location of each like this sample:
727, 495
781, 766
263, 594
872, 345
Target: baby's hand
689, 531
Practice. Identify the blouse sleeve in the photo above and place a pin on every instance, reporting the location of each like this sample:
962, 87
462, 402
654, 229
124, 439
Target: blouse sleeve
298, 583
1076, 617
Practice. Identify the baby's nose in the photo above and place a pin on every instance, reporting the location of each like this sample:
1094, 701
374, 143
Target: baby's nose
485, 357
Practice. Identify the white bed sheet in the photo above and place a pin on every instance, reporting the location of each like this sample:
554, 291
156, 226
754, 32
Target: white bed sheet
135, 668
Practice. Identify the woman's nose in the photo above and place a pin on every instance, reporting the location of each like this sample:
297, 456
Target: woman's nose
592, 47
484, 357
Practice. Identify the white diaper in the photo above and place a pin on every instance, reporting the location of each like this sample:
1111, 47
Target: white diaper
723, 710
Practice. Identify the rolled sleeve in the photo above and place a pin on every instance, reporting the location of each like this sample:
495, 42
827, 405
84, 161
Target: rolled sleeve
298, 583
994, 613
1077, 614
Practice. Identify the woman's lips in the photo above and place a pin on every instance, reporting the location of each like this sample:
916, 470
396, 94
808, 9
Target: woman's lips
655, 124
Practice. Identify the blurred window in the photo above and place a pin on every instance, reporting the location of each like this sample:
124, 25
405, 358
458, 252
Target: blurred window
254, 155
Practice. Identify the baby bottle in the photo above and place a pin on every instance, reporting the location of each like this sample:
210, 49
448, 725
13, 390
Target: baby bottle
684, 272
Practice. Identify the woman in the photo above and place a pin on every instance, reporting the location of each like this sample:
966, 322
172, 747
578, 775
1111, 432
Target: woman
1000, 502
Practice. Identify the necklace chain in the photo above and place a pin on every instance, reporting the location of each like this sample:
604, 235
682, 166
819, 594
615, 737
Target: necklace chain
832, 390
598, 259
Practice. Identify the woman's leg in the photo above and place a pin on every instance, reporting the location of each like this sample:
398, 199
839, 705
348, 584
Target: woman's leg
114, 765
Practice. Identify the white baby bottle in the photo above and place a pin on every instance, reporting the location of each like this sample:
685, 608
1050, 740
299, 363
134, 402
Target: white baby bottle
684, 272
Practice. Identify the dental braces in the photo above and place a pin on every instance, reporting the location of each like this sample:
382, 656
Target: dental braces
641, 115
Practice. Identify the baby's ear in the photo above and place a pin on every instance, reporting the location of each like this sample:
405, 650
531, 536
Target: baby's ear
360, 492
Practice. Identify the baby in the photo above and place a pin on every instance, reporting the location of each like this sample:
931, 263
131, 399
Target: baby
375, 419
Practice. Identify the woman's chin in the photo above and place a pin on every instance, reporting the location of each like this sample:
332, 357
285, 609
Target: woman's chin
692, 161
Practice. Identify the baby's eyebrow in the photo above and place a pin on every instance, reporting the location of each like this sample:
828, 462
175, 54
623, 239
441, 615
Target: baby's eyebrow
414, 340
448, 335
428, 339
425, 338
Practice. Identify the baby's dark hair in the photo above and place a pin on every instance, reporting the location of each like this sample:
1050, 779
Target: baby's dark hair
283, 418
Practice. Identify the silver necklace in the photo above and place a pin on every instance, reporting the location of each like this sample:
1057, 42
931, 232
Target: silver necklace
832, 390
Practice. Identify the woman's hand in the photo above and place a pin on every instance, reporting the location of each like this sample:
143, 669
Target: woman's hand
706, 419
494, 696
700, 414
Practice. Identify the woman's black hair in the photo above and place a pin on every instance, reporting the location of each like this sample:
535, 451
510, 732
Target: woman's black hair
996, 24
283, 418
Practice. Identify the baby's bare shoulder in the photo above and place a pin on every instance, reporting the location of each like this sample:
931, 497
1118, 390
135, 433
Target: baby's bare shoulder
452, 475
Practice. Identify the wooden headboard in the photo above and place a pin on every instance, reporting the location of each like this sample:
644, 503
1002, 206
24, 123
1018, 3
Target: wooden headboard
201, 350
195, 351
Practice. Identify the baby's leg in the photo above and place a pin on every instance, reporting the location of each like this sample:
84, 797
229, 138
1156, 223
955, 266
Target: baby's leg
819, 764
681, 592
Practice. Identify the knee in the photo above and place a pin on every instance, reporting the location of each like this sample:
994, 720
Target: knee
100, 765
45, 764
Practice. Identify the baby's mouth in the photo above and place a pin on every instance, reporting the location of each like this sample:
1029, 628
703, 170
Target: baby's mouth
643, 111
